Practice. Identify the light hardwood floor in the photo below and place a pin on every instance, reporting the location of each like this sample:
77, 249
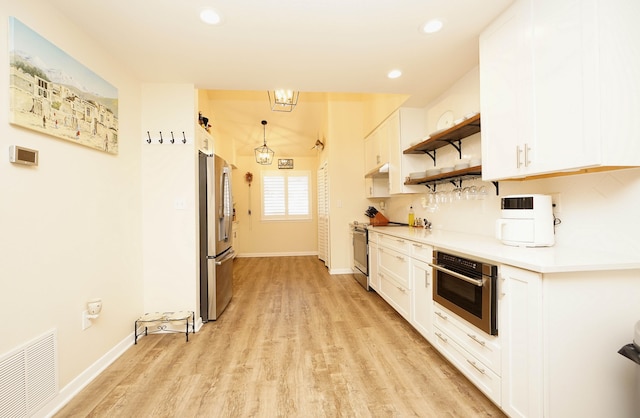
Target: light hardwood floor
294, 342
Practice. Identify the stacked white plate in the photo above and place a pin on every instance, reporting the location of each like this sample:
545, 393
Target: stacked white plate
474, 162
446, 169
433, 172
417, 175
461, 166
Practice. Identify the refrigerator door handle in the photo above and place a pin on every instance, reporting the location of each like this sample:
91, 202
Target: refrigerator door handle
230, 256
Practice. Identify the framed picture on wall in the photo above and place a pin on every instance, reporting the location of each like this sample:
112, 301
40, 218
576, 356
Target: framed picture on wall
284, 163
52, 93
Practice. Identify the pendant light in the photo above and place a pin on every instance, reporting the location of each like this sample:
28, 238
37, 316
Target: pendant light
283, 100
264, 154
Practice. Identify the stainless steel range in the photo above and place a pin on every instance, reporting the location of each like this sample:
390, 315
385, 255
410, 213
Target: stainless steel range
360, 261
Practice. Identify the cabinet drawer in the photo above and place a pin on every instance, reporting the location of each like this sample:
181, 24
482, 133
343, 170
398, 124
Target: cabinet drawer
395, 243
421, 251
372, 237
396, 265
484, 347
397, 296
479, 374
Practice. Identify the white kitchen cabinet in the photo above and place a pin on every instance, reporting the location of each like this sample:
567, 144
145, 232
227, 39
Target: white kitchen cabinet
377, 186
555, 81
476, 354
406, 126
520, 327
374, 277
422, 298
376, 149
394, 267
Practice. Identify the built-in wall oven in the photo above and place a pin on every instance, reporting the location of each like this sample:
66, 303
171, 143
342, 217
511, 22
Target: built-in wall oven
360, 254
467, 288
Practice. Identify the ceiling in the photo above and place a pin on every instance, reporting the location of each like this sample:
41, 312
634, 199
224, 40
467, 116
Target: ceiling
345, 46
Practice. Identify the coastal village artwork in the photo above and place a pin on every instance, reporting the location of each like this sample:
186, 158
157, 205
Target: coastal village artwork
52, 93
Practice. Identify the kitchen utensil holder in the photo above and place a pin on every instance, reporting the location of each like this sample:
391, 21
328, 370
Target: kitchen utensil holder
379, 220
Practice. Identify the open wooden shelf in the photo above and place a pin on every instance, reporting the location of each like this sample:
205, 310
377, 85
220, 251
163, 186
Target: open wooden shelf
465, 173
449, 136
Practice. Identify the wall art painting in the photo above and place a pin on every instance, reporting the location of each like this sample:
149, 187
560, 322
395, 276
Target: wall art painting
52, 93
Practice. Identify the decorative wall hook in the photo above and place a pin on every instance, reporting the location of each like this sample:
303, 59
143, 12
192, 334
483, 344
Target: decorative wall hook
161, 140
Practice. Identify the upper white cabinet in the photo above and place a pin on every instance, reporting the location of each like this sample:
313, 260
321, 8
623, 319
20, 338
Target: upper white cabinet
376, 149
556, 95
406, 127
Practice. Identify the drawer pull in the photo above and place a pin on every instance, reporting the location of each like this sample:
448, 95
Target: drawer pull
417, 245
476, 339
441, 337
399, 257
475, 366
441, 315
401, 241
401, 289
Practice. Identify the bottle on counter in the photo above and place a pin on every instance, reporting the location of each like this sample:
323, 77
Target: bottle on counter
411, 216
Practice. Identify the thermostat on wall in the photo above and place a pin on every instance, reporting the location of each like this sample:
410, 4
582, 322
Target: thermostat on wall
21, 155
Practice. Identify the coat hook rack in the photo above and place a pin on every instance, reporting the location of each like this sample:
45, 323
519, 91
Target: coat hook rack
172, 140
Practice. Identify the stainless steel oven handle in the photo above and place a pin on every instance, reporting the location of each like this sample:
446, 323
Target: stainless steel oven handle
477, 282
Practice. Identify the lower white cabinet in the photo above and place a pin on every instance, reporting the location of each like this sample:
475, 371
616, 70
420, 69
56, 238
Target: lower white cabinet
396, 295
477, 354
520, 327
422, 298
374, 277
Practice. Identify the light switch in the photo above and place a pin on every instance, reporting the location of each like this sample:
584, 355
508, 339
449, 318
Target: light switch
180, 204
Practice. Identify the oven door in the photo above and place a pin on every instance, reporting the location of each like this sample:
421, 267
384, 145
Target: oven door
471, 299
360, 257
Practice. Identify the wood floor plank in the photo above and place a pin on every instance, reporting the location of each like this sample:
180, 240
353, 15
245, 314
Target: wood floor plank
294, 342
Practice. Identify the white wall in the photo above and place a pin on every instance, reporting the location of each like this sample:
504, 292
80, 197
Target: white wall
70, 226
169, 199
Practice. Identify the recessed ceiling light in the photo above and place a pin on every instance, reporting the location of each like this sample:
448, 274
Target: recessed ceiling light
210, 17
394, 74
432, 26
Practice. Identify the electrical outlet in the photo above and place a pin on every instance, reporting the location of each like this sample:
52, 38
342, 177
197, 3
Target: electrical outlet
86, 322
555, 201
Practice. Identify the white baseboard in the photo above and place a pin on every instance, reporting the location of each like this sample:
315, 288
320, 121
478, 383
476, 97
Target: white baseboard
341, 271
289, 254
72, 389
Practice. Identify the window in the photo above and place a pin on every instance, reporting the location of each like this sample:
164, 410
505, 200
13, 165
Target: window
286, 195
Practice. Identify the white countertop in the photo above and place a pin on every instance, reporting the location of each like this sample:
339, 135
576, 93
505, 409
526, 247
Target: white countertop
542, 259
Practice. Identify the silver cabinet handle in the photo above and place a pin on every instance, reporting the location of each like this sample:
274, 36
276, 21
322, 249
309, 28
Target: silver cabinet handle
518, 152
441, 337
476, 339
401, 289
417, 245
441, 315
401, 241
399, 257
426, 279
527, 149
475, 366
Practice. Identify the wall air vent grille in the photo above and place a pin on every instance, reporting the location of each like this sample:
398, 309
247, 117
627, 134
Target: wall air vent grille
29, 377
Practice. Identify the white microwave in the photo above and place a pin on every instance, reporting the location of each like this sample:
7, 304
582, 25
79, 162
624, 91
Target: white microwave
527, 221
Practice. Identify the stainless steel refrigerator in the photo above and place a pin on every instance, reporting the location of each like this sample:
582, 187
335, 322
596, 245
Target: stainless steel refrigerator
216, 251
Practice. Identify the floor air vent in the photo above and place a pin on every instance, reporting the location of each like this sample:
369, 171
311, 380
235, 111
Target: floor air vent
28, 377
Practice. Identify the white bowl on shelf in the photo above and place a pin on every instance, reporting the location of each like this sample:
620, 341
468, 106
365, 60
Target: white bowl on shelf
474, 162
433, 172
461, 166
446, 169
